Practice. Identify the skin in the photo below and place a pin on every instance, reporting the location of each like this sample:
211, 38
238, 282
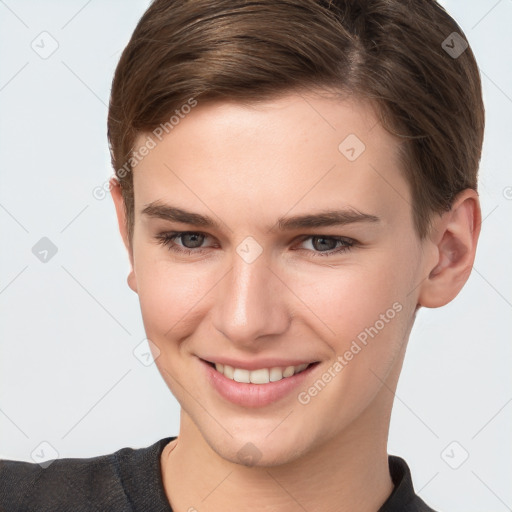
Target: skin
246, 167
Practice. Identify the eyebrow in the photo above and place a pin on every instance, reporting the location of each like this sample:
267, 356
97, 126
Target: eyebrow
324, 218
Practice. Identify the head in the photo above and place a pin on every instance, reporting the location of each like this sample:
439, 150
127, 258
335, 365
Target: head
252, 113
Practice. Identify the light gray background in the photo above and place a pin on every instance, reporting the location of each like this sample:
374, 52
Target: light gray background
68, 375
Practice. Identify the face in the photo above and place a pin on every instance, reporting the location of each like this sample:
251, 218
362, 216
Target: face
297, 246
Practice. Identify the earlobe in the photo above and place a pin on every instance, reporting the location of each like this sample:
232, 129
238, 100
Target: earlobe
455, 239
117, 197
132, 281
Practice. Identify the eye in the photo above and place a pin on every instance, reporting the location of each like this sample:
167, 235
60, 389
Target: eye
191, 238
328, 245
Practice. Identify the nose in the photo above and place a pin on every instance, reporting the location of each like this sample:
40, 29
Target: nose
251, 303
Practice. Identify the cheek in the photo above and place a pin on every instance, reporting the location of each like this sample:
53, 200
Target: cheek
367, 315
362, 312
169, 294
347, 299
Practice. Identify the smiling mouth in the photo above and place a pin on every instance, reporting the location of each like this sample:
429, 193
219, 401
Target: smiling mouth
260, 375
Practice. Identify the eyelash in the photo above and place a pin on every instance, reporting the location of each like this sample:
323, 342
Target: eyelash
167, 239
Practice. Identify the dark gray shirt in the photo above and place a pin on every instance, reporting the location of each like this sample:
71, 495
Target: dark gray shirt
129, 480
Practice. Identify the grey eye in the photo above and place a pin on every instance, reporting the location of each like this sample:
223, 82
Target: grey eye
191, 240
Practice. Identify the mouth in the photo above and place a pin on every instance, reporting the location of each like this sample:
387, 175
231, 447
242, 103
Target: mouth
260, 375
255, 388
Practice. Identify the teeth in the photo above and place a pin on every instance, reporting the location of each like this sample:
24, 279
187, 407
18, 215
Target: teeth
260, 376
275, 374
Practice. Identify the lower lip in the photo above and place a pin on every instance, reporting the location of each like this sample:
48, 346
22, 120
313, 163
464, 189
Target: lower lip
254, 395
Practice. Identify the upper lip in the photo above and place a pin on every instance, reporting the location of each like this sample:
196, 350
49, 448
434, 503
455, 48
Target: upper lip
255, 364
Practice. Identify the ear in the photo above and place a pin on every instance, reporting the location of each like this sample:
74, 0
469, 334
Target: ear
115, 191
453, 241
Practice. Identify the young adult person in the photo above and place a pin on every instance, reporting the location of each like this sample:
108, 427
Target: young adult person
295, 179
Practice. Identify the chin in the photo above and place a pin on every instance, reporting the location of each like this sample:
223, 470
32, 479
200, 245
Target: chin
260, 451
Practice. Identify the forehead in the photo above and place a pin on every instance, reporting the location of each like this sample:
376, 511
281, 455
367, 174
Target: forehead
299, 152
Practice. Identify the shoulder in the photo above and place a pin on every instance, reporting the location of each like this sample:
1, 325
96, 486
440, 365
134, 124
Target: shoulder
79, 484
403, 498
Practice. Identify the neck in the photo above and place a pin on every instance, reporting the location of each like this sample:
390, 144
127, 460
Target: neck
347, 472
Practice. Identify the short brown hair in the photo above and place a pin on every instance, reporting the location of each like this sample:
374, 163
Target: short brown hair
394, 53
